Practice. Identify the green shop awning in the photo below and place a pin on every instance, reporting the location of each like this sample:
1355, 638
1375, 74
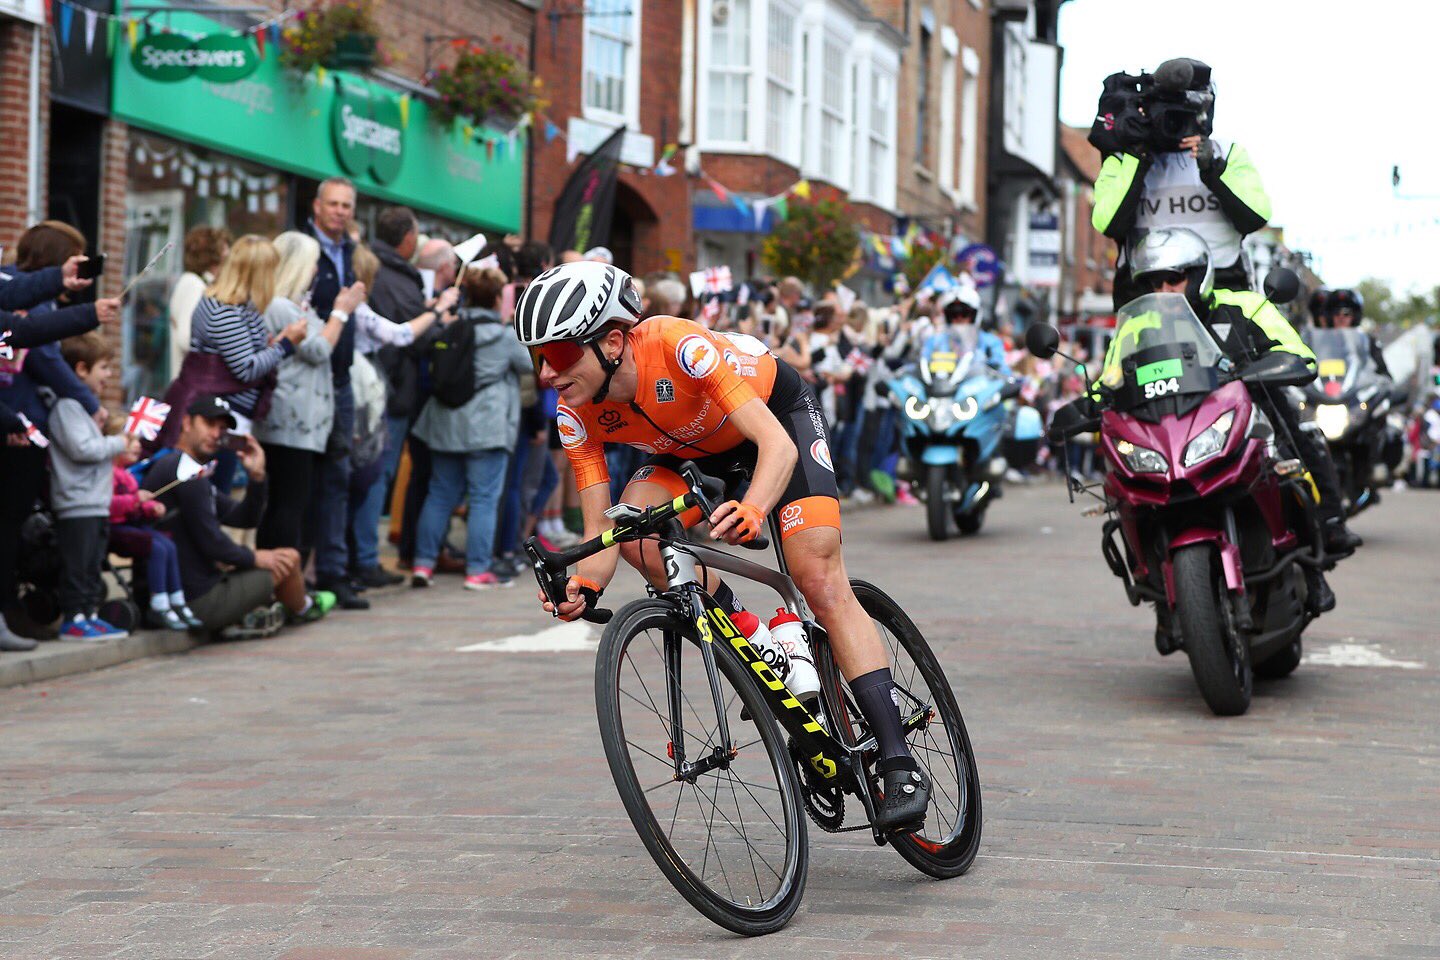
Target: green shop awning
321, 124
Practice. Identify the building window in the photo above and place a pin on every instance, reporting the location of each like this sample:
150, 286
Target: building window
922, 99
729, 72
946, 166
881, 167
612, 66
969, 127
832, 113
780, 63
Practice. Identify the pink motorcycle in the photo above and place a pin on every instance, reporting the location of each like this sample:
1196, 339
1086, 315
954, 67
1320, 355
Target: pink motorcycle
1203, 518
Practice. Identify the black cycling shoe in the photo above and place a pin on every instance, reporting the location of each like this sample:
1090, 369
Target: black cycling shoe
1319, 597
903, 806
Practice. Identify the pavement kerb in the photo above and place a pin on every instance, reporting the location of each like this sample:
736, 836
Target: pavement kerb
54, 659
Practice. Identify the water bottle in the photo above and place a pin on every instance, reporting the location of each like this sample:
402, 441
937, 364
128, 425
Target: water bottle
764, 643
789, 634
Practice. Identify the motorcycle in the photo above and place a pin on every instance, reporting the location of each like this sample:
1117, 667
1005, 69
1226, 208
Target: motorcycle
951, 424
1202, 518
1350, 403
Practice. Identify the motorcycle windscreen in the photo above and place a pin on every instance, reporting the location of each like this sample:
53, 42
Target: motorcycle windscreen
1162, 355
1342, 359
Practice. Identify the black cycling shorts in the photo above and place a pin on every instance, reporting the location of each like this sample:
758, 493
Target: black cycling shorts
811, 499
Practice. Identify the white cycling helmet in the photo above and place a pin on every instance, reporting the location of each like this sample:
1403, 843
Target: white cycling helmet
574, 301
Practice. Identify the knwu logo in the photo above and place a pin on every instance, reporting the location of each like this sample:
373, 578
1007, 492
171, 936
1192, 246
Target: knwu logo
368, 135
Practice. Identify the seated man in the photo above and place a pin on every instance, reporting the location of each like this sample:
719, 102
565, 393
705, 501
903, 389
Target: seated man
224, 581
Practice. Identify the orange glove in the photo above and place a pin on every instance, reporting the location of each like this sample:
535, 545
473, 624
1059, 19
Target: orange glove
736, 521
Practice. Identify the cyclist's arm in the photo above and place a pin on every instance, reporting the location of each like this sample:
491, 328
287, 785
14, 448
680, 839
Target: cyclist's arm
594, 501
775, 460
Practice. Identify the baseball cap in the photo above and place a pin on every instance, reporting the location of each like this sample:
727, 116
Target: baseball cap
212, 407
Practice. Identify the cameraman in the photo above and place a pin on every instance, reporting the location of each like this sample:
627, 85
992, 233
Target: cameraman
1162, 169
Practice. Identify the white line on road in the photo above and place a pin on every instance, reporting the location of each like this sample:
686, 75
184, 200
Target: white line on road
1348, 653
564, 638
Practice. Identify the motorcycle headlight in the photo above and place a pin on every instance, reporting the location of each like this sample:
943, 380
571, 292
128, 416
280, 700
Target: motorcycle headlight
915, 409
1211, 440
966, 409
1333, 419
1142, 459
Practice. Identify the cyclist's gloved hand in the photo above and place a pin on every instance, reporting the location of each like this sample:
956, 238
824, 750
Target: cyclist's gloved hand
737, 522
576, 602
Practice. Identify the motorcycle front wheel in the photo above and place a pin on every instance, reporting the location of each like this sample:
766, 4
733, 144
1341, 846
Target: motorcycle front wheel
1219, 657
937, 505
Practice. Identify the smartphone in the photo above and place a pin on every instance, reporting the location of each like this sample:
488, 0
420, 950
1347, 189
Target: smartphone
92, 267
236, 441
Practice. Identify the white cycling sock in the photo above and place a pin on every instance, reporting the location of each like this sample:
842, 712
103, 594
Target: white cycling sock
159, 602
177, 598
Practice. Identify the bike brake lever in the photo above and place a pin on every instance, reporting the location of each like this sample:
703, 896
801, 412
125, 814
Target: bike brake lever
593, 613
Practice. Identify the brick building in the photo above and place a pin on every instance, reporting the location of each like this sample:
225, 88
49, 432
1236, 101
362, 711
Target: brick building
605, 64
944, 87
135, 158
1088, 256
758, 94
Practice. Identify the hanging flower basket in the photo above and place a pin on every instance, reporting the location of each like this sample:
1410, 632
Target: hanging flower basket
335, 34
486, 85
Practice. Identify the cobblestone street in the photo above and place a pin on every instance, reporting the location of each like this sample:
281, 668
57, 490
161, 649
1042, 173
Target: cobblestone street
361, 789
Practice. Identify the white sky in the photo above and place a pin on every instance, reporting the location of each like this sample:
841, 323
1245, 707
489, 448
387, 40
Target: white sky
1325, 94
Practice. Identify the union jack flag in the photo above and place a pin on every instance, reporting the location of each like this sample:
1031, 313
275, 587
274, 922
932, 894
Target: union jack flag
32, 432
146, 418
711, 280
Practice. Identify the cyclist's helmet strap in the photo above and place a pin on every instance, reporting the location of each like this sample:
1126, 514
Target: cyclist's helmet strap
609, 366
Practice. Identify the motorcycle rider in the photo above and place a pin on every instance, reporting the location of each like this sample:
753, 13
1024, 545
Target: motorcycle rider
1177, 260
960, 307
1344, 309
1206, 185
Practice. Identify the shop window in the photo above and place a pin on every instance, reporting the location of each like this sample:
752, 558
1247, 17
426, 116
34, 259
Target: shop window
172, 187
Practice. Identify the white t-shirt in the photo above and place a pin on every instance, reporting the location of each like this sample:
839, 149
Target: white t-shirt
1175, 197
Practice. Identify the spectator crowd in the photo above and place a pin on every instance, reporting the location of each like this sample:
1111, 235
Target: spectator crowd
320, 383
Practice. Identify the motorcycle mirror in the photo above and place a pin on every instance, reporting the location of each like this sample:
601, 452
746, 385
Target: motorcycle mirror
1042, 340
1282, 285
1011, 390
1070, 420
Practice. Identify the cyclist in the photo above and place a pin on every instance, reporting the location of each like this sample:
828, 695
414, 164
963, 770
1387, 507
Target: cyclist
677, 391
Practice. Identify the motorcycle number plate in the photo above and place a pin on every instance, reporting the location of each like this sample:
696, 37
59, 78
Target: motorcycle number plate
1159, 370
1332, 368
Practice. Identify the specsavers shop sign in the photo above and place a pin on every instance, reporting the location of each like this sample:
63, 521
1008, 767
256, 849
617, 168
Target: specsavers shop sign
170, 57
317, 125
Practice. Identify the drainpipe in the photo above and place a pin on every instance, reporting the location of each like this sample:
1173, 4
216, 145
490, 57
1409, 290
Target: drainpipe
32, 191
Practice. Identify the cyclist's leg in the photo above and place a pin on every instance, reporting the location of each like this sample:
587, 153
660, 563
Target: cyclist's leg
652, 484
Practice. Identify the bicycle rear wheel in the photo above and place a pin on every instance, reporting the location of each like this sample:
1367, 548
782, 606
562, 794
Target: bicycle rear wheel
731, 840
947, 844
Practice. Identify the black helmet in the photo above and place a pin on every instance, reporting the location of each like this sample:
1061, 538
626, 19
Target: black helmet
1319, 306
1346, 299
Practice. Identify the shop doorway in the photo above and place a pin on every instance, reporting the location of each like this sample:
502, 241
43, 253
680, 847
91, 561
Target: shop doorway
75, 168
633, 227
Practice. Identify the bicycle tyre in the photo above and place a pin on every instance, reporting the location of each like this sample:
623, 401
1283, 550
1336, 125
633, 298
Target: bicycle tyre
633, 621
952, 853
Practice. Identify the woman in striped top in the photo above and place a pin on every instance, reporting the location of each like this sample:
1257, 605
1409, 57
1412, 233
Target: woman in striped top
229, 321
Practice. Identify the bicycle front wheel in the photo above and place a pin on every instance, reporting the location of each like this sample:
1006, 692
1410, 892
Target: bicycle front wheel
937, 738
732, 838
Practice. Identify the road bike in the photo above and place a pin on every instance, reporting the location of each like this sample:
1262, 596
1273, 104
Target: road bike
714, 759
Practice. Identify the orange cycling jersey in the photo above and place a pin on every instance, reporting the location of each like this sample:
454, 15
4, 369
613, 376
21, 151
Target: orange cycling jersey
690, 381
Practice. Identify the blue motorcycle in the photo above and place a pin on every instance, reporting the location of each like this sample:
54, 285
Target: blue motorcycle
952, 421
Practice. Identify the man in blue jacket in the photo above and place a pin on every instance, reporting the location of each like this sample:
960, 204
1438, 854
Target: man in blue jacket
331, 215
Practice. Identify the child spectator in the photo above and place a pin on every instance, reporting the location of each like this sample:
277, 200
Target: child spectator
80, 488
131, 510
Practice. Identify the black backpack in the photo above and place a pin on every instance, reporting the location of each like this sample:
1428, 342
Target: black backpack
452, 364
1120, 126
